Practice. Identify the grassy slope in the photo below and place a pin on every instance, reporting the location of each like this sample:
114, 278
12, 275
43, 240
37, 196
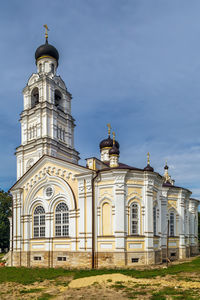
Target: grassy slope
30, 275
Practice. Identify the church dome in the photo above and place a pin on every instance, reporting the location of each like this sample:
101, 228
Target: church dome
47, 50
108, 143
166, 167
148, 168
114, 150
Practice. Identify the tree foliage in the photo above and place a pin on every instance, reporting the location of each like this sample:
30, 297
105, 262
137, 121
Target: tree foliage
5, 212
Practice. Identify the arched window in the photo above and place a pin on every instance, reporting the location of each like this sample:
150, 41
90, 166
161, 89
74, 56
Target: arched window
40, 68
171, 224
134, 220
52, 68
62, 220
39, 222
58, 97
154, 221
34, 97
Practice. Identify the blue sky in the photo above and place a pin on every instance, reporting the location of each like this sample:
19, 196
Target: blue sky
133, 63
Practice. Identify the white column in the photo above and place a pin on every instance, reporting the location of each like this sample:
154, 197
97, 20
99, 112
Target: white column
11, 236
19, 229
27, 228
14, 220
72, 229
81, 221
164, 217
120, 206
192, 210
181, 224
89, 211
48, 219
148, 225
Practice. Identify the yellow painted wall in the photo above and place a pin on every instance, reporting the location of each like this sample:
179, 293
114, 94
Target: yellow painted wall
72, 183
134, 190
106, 219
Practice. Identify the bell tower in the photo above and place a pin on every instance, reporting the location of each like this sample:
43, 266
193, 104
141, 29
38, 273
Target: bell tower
47, 126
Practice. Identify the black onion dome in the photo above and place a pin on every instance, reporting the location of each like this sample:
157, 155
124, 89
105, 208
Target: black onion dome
117, 144
114, 150
166, 167
148, 168
46, 49
108, 143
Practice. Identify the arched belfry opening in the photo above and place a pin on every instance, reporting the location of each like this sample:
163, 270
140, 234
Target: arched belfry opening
34, 97
52, 68
58, 98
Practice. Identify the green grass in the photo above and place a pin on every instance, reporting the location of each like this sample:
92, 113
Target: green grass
175, 294
30, 275
30, 291
45, 296
118, 285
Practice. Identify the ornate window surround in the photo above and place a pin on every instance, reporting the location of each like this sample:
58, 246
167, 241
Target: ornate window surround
39, 222
61, 220
135, 220
172, 222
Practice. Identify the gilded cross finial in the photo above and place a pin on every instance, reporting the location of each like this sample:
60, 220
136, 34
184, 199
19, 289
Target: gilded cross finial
148, 158
46, 32
109, 128
113, 138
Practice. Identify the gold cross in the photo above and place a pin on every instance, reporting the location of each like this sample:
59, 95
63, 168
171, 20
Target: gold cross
109, 128
113, 137
46, 31
148, 158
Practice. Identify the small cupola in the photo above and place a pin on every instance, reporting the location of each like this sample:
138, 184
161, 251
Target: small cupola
167, 177
105, 145
114, 154
46, 56
148, 167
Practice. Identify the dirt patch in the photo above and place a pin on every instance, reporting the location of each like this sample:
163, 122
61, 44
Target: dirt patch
109, 278
107, 286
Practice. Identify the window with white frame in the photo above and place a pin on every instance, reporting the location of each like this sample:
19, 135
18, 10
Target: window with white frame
171, 224
154, 221
39, 222
134, 213
62, 220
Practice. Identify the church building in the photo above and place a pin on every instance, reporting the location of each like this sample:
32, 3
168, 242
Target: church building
104, 214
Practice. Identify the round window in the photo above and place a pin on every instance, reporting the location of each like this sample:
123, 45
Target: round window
49, 192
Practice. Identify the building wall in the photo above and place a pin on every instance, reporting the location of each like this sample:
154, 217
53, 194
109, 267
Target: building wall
115, 192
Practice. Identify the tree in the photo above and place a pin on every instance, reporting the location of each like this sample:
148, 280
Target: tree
5, 212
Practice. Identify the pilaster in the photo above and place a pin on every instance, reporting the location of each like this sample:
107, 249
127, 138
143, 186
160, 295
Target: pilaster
148, 225
120, 205
181, 224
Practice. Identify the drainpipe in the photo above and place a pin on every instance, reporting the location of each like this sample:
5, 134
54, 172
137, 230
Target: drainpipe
93, 219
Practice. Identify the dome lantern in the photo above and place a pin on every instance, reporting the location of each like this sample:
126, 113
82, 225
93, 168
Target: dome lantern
105, 146
48, 54
148, 167
114, 154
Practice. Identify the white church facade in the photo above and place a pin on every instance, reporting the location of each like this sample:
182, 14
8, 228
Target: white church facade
107, 214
